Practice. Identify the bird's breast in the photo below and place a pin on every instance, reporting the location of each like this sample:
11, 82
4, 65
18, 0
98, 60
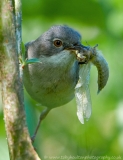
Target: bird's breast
52, 81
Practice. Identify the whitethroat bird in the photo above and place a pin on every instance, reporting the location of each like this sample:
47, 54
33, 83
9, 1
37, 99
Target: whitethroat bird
52, 82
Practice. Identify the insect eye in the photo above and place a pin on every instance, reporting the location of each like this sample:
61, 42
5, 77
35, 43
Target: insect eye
58, 43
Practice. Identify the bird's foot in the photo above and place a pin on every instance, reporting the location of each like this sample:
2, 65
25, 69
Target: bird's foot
42, 116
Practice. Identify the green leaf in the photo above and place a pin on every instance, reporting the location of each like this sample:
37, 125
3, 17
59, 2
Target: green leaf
30, 61
22, 47
23, 51
22, 57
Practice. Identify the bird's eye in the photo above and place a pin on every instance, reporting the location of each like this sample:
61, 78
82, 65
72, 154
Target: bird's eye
58, 43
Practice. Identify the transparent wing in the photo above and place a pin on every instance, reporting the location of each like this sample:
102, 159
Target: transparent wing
82, 93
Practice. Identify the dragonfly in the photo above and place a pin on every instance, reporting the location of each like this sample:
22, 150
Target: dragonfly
82, 91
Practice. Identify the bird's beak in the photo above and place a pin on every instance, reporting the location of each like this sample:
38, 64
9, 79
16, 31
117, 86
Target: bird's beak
80, 51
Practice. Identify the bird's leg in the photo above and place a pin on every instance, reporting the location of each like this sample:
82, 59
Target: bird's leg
42, 116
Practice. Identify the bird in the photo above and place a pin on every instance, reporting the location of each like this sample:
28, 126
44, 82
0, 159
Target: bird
52, 81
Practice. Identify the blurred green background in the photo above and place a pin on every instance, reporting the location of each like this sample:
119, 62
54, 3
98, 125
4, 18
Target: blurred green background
61, 133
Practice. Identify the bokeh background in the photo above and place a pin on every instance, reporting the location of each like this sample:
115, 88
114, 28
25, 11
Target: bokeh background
61, 133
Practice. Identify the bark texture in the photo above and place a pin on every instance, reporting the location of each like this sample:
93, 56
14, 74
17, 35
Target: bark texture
19, 143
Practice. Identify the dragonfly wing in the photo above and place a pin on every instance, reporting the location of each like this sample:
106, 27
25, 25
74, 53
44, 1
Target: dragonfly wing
82, 93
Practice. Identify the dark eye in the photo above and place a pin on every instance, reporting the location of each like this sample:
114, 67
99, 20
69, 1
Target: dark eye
58, 43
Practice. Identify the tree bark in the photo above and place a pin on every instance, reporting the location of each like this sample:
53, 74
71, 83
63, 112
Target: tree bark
19, 143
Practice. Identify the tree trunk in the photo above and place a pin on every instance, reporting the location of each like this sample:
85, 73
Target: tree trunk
19, 143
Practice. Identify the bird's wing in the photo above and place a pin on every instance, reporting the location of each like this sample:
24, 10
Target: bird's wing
82, 93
